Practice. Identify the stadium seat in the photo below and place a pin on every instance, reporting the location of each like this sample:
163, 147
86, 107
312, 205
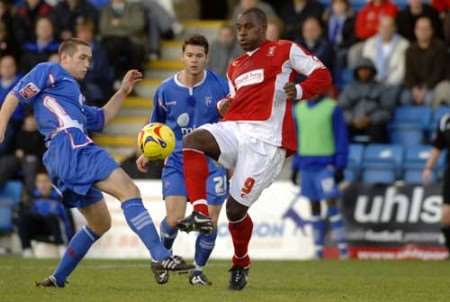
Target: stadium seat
355, 157
415, 160
382, 163
10, 194
409, 124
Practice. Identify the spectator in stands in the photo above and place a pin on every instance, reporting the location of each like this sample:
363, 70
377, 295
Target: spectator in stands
27, 15
6, 15
8, 79
341, 25
387, 50
427, 63
40, 49
313, 39
68, 13
224, 49
29, 148
367, 105
97, 85
44, 217
274, 30
8, 44
161, 23
247, 4
122, 27
295, 12
406, 19
367, 19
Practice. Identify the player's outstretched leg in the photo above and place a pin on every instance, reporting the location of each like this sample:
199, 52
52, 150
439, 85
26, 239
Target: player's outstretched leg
99, 222
204, 246
445, 222
196, 146
240, 226
337, 226
120, 185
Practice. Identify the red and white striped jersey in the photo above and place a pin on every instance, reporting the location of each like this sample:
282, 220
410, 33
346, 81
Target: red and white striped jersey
256, 81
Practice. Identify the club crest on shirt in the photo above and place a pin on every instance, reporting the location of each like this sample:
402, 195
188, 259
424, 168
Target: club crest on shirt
271, 51
29, 90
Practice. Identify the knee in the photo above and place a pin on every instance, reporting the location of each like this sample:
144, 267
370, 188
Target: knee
191, 141
235, 211
173, 218
131, 191
102, 226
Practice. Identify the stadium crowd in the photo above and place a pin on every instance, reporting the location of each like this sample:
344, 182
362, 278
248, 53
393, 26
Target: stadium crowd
386, 57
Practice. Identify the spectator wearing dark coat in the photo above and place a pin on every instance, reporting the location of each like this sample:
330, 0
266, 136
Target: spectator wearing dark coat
313, 39
367, 105
295, 12
427, 64
68, 13
407, 17
27, 15
40, 49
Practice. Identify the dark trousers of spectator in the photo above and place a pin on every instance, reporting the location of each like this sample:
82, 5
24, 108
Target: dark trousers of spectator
10, 166
373, 134
124, 55
42, 228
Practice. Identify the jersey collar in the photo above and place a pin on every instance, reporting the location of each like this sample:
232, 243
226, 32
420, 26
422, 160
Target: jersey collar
175, 78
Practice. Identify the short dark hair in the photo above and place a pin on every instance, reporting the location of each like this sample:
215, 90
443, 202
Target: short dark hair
197, 40
70, 46
258, 14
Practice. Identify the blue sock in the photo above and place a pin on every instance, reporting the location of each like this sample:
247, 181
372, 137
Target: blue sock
168, 234
337, 226
204, 246
141, 223
318, 225
78, 247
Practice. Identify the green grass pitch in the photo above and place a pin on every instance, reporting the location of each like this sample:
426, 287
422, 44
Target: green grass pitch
274, 281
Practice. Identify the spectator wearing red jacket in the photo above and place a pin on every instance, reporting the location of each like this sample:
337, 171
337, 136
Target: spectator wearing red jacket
368, 17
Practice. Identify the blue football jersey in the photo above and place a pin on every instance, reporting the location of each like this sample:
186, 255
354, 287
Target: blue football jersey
185, 108
57, 102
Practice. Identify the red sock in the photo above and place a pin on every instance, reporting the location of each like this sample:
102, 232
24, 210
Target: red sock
241, 232
195, 175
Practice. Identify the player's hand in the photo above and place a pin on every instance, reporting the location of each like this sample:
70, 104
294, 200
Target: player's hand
426, 176
129, 80
223, 105
290, 90
142, 163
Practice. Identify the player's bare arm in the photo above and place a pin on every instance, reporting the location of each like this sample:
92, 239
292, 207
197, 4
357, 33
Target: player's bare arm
115, 103
8, 108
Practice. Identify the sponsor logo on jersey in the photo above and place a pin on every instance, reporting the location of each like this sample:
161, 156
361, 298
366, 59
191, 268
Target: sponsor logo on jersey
249, 78
183, 119
29, 91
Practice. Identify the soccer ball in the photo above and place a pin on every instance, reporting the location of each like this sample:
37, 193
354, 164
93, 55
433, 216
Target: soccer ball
156, 141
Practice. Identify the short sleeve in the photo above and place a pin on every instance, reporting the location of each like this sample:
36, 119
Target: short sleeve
303, 62
159, 113
39, 78
95, 118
